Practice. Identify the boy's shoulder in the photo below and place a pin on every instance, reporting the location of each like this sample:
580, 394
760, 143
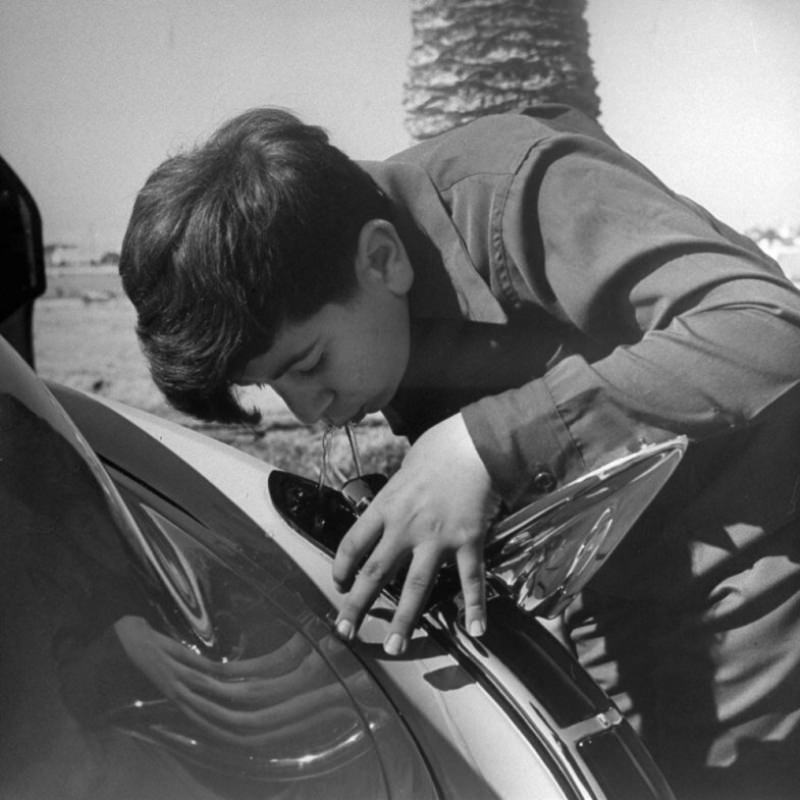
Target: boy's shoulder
495, 144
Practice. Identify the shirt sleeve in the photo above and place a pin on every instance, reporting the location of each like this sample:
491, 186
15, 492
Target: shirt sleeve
699, 332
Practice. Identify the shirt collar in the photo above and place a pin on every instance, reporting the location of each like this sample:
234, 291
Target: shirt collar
446, 283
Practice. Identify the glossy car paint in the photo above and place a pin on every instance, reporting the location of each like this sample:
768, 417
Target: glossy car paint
558, 714
440, 700
511, 715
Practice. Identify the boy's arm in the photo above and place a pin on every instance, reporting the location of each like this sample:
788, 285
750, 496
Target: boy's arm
701, 331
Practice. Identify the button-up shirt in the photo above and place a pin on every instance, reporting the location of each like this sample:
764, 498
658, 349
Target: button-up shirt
572, 307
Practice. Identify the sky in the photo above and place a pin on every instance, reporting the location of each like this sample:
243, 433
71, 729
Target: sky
94, 94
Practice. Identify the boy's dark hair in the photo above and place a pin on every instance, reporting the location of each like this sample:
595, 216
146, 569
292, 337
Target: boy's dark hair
226, 242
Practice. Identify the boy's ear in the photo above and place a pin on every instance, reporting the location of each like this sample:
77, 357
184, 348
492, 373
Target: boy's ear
381, 258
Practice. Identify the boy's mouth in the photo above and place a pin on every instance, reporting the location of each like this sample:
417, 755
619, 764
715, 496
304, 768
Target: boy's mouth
353, 420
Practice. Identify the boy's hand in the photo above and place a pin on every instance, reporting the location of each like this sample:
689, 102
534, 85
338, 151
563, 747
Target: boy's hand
439, 504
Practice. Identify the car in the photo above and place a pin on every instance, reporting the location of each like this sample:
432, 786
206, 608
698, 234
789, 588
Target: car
22, 275
109, 513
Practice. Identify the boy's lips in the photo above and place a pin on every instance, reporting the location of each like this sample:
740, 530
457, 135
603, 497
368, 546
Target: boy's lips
352, 420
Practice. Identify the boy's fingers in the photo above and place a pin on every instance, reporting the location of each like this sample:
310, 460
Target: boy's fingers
376, 572
472, 576
355, 544
416, 588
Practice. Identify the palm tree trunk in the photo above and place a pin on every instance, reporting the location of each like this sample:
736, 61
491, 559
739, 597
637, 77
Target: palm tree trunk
470, 58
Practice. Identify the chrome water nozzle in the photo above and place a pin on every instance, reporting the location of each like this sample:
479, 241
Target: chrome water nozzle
360, 490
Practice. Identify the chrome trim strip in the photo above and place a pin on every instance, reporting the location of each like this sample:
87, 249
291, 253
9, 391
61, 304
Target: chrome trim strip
610, 718
541, 727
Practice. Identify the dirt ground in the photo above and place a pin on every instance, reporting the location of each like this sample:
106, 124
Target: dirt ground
84, 338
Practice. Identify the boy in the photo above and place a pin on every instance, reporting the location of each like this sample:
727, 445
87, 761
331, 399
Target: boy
524, 301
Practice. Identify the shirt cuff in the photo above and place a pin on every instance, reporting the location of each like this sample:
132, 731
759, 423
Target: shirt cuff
524, 444
552, 430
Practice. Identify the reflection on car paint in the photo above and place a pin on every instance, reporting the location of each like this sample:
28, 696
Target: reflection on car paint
230, 597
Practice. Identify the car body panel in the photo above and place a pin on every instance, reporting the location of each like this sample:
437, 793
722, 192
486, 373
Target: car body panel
560, 706
188, 526
427, 685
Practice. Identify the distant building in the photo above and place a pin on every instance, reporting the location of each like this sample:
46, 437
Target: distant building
68, 255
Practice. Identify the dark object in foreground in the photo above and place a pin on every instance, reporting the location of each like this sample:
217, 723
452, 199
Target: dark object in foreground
22, 277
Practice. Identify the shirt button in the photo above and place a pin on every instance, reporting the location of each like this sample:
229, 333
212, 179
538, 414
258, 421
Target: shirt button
544, 481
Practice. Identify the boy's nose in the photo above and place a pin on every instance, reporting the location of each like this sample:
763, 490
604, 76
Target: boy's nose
308, 406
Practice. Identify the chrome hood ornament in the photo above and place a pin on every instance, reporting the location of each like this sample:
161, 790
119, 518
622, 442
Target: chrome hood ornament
544, 554
541, 555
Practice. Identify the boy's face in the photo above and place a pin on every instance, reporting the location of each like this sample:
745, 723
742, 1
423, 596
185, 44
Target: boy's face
346, 360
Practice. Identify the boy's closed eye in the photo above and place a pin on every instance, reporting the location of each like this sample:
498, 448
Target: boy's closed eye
311, 367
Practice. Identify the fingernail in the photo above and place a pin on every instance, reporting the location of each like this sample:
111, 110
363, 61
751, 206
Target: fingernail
344, 628
477, 627
395, 645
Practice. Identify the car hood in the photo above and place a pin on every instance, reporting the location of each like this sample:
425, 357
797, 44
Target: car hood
93, 556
